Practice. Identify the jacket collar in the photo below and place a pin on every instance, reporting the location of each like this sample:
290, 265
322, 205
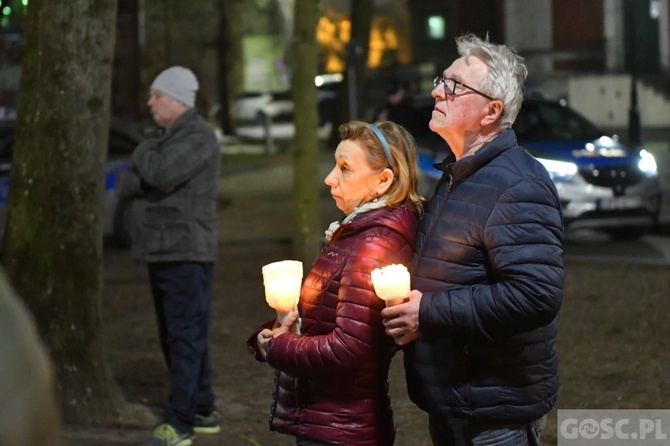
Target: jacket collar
181, 121
466, 166
402, 219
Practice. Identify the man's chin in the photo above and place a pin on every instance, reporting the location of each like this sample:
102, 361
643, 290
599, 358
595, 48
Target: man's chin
434, 125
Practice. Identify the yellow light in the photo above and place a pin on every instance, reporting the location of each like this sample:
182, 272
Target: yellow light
282, 282
391, 283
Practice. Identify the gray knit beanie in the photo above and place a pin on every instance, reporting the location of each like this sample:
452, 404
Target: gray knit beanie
179, 83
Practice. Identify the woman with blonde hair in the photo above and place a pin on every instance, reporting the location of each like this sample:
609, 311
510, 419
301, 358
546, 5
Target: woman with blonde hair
332, 378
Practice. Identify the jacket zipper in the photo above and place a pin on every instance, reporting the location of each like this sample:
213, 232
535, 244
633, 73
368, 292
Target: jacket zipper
437, 211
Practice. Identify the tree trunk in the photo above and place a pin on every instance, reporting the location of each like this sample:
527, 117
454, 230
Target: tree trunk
306, 239
230, 60
53, 250
126, 83
361, 21
349, 94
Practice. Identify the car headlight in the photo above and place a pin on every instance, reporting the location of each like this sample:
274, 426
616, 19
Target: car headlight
647, 163
559, 171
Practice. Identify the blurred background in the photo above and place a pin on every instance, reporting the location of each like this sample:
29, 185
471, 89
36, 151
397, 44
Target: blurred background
596, 68
588, 52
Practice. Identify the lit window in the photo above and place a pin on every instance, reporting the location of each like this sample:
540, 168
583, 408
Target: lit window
436, 27
654, 9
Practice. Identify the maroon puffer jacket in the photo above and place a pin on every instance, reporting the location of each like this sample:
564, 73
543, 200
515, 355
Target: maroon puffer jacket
331, 382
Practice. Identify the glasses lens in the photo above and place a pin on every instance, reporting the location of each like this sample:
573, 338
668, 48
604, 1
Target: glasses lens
437, 81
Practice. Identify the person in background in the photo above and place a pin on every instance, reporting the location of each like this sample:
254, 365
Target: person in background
30, 415
398, 107
174, 182
332, 378
480, 326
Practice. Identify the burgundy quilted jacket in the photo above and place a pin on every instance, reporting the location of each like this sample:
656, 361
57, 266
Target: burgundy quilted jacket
331, 381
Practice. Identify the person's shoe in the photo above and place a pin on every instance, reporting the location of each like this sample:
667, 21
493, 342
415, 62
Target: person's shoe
166, 435
208, 424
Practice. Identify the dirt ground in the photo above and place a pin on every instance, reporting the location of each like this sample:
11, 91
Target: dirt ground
613, 342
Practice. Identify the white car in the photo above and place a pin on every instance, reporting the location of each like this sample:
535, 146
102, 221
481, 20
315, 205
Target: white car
253, 107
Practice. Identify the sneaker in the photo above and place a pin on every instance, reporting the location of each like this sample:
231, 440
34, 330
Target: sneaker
166, 435
206, 424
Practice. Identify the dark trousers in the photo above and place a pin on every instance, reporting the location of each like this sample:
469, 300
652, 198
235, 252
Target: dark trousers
459, 432
182, 293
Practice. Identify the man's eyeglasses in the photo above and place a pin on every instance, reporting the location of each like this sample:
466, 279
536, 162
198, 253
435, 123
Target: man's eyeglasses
451, 84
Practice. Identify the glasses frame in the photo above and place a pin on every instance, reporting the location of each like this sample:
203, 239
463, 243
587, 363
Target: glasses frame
442, 80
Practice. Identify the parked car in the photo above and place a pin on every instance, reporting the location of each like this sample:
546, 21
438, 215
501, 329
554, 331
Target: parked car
603, 184
252, 107
124, 136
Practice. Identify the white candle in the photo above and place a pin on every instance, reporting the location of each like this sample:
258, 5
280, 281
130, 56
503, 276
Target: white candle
282, 281
391, 283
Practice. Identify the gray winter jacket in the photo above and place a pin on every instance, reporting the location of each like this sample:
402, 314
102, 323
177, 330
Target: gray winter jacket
175, 186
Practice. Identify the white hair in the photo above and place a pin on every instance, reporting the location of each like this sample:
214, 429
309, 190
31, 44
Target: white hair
505, 75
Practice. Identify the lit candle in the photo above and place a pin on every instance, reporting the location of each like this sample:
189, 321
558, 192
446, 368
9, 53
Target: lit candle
391, 283
282, 281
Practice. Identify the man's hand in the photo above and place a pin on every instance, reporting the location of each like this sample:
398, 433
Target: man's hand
402, 321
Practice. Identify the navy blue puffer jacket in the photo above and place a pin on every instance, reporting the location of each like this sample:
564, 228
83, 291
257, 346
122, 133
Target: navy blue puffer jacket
489, 261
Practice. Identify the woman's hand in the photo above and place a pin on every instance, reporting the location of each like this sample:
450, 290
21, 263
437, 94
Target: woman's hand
285, 322
263, 338
262, 341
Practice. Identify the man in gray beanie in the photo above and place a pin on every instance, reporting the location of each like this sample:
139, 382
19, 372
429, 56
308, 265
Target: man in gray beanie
179, 83
174, 187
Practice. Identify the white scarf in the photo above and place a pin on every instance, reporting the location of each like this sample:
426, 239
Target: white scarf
365, 207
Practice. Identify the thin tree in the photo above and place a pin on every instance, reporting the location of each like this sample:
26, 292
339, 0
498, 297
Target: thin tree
348, 106
126, 82
361, 21
229, 59
307, 238
53, 246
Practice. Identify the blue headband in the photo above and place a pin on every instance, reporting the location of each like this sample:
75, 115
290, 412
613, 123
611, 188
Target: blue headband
385, 145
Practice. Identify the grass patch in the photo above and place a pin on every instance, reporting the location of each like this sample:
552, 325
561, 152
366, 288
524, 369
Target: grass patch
613, 339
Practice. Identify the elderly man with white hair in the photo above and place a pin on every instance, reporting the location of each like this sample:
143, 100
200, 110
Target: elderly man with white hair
480, 325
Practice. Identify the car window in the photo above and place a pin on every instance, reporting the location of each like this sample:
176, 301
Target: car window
550, 120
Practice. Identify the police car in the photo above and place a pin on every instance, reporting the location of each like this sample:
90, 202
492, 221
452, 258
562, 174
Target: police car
124, 136
603, 184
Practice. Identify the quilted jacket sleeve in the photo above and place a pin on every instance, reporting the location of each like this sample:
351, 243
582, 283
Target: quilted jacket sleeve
522, 239
358, 334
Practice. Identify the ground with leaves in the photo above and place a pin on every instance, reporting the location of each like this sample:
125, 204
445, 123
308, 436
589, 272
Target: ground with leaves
613, 341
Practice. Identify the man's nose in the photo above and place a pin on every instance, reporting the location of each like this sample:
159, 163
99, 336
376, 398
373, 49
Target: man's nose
438, 91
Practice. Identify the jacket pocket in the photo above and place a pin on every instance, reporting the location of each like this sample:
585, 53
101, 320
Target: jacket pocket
166, 230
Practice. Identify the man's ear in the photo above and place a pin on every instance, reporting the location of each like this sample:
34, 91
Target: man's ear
494, 112
385, 180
